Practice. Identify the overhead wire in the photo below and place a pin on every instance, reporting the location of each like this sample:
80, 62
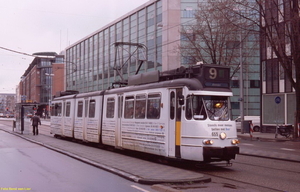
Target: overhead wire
109, 61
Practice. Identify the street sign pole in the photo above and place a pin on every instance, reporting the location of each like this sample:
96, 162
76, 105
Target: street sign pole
277, 101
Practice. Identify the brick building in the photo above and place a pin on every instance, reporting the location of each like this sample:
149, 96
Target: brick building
42, 79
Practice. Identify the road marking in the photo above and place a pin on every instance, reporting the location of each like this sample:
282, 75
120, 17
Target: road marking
141, 189
246, 144
287, 149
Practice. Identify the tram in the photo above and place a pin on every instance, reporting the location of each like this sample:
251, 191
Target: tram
178, 114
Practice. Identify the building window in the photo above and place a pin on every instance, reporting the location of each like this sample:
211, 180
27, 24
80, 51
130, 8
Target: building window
235, 83
272, 76
235, 105
188, 37
187, 60
287, 85
95, 77
254, 83
188, 12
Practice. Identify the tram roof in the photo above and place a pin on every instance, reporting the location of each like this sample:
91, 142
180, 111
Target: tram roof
191, 84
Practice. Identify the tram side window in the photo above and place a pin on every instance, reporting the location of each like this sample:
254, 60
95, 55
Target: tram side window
188, 108
92, 108
68, 109
172, 105
140, 106
110, 108
195, 108
56, 109
80, 109
153, 106
129, 107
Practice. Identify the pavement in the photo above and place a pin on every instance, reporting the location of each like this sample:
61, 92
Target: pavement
268, 137
140, 170
132, 168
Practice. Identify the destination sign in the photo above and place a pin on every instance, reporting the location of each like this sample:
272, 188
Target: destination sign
216, 76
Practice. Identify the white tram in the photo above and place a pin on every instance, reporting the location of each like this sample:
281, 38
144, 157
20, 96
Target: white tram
181, 114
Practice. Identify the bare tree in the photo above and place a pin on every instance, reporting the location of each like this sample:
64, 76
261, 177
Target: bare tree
216, 36
280, 35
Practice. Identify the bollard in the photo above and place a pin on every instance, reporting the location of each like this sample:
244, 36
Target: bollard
14, 125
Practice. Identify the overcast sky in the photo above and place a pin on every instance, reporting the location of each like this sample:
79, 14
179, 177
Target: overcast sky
31, 26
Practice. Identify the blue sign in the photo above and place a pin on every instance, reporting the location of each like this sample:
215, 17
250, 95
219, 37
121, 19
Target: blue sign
277, 100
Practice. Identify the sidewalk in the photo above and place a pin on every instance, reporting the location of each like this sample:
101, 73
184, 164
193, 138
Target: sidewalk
262, 136
131, 168
267, 137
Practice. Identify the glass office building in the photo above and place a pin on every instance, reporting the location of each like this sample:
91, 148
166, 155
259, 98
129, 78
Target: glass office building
149, 34
91, 62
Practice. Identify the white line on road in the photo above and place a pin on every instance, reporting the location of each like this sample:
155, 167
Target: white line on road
246, 144
287, 149
141, 189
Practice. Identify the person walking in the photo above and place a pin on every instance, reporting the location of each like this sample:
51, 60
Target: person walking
35, 124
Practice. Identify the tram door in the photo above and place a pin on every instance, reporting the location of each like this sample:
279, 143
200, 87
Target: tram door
174, 123
119, 110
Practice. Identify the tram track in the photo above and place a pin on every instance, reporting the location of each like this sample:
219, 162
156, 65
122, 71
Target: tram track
271, 158
256, 168
216, 178
263, 174
249, 164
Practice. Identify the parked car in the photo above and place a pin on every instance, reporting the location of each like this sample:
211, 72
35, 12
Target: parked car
29, 115
255, 122
2, 115
9, 115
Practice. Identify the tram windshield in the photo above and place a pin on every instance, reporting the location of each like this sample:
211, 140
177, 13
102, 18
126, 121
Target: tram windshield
200, 107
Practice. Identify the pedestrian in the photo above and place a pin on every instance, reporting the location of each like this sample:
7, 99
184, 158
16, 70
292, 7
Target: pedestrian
35, 124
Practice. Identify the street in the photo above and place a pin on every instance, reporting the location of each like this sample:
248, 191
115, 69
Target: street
263, 165
256, 173
26, 166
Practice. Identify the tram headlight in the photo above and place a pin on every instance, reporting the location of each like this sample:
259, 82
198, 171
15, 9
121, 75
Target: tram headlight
208, 142
223, 136
235, 141
218, 105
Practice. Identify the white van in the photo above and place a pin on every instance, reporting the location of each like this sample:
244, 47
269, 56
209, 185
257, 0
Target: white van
255, 122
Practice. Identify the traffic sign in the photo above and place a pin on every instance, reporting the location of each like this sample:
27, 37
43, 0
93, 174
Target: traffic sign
277, 100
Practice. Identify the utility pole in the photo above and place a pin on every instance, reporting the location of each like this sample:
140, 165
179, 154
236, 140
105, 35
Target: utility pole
241, 99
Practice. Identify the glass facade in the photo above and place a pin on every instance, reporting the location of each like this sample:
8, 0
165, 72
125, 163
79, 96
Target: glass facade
45, 66
91, 62
275, 80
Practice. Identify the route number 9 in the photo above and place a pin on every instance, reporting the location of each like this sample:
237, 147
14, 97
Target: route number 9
213, 73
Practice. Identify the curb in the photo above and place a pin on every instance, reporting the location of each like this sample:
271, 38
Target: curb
126, 175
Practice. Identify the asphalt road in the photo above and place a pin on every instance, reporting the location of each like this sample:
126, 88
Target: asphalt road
26, 166
272, 171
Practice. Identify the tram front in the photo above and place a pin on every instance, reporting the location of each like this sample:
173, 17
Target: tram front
208, 133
